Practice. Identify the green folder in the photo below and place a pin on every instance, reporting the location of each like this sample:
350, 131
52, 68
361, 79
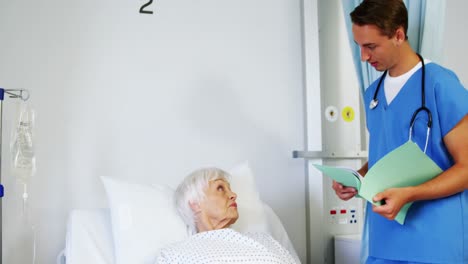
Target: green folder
405, 166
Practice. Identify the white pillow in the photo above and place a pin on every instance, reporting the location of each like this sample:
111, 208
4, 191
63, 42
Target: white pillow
252, 216
143, 220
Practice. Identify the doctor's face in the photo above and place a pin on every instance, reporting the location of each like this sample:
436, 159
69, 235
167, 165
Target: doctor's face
219, 205
380, 51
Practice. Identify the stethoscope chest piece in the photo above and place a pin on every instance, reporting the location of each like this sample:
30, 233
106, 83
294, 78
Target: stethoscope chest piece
373, 104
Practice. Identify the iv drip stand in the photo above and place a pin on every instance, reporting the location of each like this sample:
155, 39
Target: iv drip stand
13, 93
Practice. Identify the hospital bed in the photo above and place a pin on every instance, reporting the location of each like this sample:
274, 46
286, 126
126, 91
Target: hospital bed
91, 236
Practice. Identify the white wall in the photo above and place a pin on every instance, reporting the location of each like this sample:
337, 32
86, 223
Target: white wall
456, 39
150, 98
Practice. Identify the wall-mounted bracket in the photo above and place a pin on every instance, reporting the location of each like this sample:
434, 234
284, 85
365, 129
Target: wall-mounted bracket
362, 154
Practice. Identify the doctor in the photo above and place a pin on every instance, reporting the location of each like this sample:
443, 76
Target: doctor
422, 101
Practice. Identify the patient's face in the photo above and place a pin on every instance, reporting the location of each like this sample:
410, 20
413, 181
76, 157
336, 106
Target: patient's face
219, 208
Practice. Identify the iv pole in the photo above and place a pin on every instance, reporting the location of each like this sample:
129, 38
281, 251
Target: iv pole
13, 93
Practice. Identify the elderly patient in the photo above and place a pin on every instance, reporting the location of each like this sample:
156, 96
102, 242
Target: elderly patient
208, 206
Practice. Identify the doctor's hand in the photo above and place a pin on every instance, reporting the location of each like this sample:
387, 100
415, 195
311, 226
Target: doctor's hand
393, 200
343, 192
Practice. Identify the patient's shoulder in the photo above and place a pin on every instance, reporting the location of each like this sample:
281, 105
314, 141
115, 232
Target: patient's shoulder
266, 240
272, 244
226, 244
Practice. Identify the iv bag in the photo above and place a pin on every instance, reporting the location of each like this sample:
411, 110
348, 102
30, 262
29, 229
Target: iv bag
22, 144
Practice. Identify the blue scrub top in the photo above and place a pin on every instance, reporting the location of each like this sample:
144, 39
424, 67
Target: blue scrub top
435, 231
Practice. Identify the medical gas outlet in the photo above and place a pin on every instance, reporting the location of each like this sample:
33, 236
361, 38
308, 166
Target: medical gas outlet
348, 114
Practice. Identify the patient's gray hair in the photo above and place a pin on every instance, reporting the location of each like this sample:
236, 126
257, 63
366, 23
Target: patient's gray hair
192, 189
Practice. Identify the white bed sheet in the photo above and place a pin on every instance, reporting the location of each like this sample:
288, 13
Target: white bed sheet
89, 236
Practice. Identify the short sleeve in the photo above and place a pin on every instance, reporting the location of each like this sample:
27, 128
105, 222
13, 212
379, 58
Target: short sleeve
451, 100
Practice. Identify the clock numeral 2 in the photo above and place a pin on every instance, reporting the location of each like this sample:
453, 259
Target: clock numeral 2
142, 9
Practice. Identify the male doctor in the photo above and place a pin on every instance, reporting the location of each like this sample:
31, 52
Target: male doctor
436, 226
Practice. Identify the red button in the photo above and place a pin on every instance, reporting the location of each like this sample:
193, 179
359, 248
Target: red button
333, 212
343, 211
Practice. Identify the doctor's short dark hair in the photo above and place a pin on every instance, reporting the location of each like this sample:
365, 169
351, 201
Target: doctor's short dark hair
387, 15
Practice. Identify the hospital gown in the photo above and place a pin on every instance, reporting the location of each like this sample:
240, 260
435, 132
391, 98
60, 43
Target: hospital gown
226, 246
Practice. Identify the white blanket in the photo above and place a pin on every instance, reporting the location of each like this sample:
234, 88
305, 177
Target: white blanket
226, 246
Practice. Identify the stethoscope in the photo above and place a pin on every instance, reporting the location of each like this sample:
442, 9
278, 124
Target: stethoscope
373, 104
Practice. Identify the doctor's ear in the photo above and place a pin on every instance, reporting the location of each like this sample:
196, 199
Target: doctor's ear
400, 36
195, 207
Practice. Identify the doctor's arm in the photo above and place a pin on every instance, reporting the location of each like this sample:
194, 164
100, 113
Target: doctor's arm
451, 181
